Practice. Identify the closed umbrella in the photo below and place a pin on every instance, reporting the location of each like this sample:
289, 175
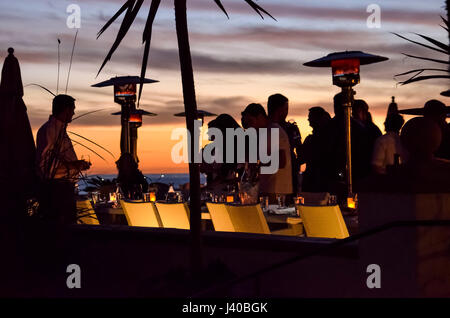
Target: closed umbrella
17, 161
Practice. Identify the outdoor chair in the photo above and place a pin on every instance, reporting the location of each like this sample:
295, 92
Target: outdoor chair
174, 215
323, 221
141, 214
246, 219
86, 213
220, 217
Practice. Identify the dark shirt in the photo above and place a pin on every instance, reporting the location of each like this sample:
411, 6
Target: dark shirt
362, 142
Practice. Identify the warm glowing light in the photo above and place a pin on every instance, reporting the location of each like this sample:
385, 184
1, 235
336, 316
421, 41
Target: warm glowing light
345, 67
300, 200
124, 90
135, 118
152, 196
230, 198
351, 203
112, 197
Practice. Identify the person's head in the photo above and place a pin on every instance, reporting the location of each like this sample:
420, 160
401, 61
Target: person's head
277, 107
63, 107
435, 110
361, 110
254, 116
222, 122
393, 123
421, 138
318, 117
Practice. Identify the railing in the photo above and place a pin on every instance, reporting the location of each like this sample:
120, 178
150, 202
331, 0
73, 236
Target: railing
331, 246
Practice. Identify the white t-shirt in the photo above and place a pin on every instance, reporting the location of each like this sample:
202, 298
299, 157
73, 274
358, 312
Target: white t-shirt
279, 182
54, 148
385, 148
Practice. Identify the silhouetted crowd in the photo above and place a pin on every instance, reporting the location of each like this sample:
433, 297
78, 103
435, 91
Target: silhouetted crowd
323, 152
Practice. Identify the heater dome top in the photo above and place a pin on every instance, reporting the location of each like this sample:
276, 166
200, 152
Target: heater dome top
364, 58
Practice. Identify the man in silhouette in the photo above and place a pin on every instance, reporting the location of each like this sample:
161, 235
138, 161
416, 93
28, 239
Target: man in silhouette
335, 154
436, 111
388, 149
314, 178
278, 109
369, 133
58, 165
280, 182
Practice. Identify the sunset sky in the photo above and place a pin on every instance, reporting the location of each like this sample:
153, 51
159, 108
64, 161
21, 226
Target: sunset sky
236, 61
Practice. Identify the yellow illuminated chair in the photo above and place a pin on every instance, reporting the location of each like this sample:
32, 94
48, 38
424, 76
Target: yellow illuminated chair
86, 213
248, 219
141, 214
220, 217
323, 221
174, 215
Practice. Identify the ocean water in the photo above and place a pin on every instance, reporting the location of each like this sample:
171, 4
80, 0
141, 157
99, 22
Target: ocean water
175, 179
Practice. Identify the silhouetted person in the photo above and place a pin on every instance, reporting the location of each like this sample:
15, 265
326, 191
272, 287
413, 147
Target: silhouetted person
313, 151
278, 109
436, 111
57, 164
388, 149
280, 182
422, 172
369, 133
221, 176
335, 154
131, 181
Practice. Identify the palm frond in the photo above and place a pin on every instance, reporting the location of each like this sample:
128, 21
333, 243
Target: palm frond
88, 113
421, 44
422, 70
146, 38
93, 151
128, 19
423, 78
126, 5
259, 9
427, 59
93, 142
44, 88
446, 22
439, 44
131, 8
220, 5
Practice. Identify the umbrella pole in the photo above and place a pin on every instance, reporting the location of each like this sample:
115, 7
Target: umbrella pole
347, 92
190, 106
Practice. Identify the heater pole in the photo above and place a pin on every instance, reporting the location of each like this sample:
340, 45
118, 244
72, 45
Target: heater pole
347, 92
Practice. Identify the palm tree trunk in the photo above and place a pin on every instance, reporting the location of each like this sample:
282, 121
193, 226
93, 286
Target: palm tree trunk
190, 107
447, 6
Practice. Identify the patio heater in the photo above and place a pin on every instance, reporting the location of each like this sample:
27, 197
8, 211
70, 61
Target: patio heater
130, 116
345, 69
